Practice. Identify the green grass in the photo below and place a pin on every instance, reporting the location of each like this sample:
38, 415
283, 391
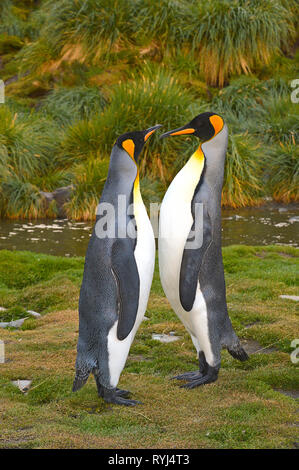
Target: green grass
243, 170
88, 179
264, 28
90, 31
69, 104
243, 409
283, 163
78, 75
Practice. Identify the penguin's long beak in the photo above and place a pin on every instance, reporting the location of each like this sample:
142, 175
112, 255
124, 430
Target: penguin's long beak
184, 130
148, 132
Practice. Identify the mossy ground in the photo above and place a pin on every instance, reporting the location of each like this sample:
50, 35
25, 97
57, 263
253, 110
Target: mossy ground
242, 409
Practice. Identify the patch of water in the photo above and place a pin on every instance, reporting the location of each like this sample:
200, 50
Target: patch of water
269, 225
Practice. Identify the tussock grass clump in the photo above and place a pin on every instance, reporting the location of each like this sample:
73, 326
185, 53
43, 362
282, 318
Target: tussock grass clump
148, 100
283, 167
27, 151
23, 199
81, 73
84, 31
88, 179
279, 122
243, 170
35, 54
234, 37
247, 97
151, 98
68, 104
226, 37
17, 144
82, 140
10, 44
13, 19
27, 142
165, 21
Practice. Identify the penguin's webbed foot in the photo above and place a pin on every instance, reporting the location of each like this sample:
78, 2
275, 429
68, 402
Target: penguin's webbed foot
103, 391
188, 376
210, 376
118, 400
198, 374
122, 393
117, 396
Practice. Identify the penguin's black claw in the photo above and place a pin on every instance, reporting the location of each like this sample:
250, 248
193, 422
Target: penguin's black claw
208, 378
237, 352
187, 376
122, 393
117, 400
116, 396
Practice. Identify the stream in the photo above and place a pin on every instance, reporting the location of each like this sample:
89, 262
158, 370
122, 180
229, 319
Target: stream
272, 224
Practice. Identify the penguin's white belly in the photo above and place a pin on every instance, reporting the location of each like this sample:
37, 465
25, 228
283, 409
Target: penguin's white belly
145, 259
174, 227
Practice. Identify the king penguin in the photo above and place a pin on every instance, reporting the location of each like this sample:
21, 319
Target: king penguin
118, 273
190, 256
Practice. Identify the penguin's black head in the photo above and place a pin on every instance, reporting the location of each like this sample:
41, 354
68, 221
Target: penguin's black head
205, 126
133, 142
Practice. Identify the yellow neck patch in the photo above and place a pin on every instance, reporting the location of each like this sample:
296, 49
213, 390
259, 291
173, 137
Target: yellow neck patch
129, 147
217, 123
191, 174
137, 199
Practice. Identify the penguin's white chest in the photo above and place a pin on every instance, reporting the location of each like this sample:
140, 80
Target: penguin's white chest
145, 259
144, 254
174, 227
175, 224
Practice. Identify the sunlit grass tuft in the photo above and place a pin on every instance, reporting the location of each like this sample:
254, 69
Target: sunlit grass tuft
27, 153
153, 98
283, 168
68, 104
234, 37
243, 170
88, 181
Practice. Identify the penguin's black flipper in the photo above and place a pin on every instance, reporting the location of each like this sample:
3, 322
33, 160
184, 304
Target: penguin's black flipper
192, 260
127, 278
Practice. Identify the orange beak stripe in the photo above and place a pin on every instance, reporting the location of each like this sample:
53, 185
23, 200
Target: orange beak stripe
148, 134
184, 131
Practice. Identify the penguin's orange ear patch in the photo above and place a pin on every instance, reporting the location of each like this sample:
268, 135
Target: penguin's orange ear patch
129, 147
217, 123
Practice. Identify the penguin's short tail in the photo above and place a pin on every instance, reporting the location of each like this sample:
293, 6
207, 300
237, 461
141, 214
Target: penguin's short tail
238, 352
